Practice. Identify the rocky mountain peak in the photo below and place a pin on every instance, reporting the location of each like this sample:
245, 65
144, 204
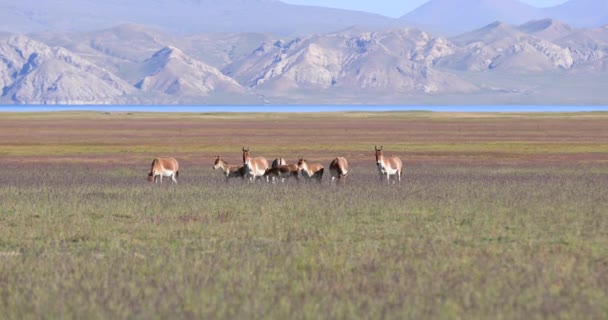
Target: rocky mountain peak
172, 72
168, 52
549, 29
32, 72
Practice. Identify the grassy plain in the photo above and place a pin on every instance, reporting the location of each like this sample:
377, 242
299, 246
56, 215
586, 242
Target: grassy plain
500, 216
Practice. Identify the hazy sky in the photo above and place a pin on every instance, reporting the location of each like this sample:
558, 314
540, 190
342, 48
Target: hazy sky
393, 8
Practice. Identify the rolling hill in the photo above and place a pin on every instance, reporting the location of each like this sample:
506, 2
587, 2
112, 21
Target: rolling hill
181, 16
454, 17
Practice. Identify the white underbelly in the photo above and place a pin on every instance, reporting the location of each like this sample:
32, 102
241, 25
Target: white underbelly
256, 172
389, 171
165, 173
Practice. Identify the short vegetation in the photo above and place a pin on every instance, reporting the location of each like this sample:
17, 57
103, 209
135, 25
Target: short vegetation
484, 225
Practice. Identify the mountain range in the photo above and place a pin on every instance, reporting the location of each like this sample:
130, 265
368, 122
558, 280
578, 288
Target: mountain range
32, 72
399, 60
453, 17
150, 60
446, 17
181, 16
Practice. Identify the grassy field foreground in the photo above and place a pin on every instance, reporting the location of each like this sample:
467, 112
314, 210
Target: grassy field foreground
499, 216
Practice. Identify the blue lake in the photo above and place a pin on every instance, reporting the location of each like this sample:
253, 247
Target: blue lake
204, 109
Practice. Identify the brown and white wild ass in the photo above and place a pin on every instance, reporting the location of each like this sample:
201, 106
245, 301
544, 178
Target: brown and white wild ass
278, 162
254, 168
230, 171
282, 172
339, 169
163, 167
388, 166
311, 171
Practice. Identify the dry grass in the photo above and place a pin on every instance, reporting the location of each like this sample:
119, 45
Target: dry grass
418, 137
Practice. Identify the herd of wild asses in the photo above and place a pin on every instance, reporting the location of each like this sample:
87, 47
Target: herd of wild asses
258, 168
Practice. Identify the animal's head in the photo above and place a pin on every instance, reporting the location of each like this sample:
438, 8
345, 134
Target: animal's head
150, 177
378, 154
246, 154
216, 164
301, 163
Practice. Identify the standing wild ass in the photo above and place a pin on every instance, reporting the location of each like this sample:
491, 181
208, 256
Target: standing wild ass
278, 162
163, 167
254, 168
230, 171
311, 171
339, 169
388, 166
282, 172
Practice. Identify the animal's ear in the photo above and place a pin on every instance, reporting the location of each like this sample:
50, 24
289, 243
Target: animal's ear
376, 148
381, 147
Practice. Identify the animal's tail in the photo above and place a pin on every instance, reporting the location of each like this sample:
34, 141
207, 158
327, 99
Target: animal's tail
152, 168
151, 173
177, 174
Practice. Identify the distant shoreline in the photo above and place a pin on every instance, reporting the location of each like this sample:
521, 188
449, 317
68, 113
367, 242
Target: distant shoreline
298, 109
